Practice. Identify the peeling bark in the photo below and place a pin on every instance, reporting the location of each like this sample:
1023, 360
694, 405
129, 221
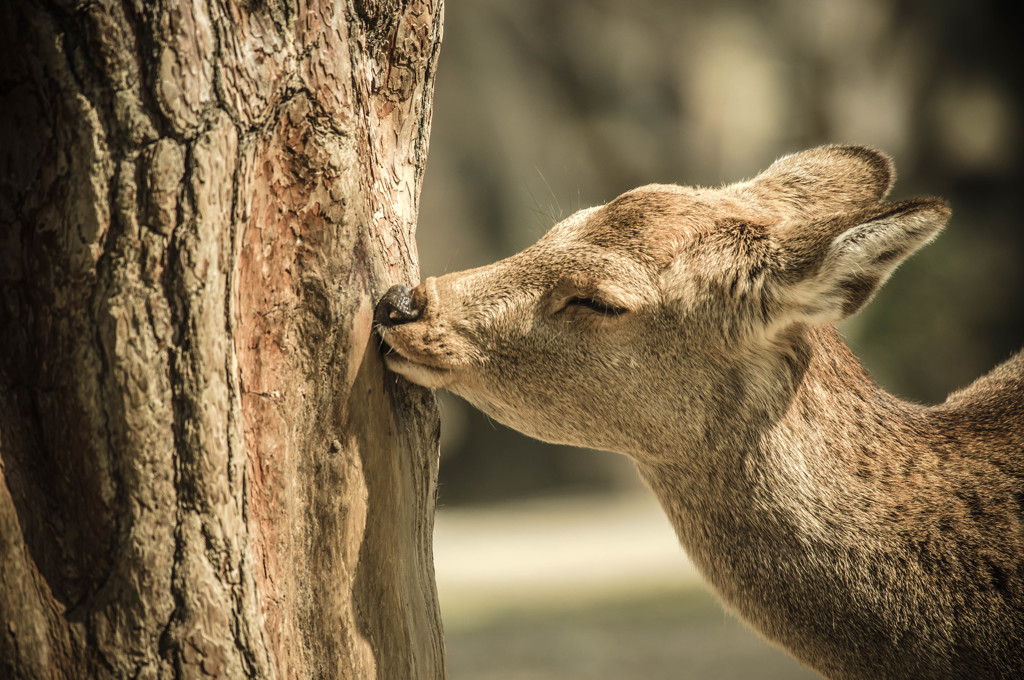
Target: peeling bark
205, 470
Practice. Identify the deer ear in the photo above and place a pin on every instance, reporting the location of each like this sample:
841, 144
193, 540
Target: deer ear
822, 181
830, 267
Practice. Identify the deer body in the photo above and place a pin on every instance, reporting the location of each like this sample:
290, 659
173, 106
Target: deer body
691, 330
870, 537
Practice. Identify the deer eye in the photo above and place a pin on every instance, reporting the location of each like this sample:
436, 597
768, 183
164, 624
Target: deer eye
594, 305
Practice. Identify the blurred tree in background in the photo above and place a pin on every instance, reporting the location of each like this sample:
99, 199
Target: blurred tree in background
542, 108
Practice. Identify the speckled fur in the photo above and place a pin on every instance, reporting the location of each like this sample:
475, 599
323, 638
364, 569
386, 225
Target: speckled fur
870, 537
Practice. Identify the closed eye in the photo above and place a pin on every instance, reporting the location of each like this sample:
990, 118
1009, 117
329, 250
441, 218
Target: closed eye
594, 305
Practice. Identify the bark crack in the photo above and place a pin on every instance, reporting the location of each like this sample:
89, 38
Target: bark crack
427, 108
145, 64
171, 643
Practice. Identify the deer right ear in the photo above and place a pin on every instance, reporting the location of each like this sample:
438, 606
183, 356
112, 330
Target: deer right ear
830, 267
822, 181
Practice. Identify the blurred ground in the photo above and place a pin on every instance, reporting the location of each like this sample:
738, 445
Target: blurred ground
584, 588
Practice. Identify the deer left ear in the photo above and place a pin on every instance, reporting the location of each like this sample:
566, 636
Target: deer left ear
822, 181
829, 268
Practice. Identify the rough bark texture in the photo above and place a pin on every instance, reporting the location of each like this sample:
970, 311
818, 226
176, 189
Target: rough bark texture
205, 470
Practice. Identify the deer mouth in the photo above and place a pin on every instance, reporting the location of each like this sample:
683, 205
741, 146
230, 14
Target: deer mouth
421, 370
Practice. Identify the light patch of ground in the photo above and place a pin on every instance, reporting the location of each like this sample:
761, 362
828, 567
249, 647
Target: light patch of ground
585, 589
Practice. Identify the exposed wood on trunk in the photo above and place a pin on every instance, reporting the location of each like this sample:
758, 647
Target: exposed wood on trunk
205, 469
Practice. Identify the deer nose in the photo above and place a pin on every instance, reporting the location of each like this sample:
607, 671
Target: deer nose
398, 306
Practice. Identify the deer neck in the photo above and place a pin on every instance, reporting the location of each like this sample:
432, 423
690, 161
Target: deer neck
792, 466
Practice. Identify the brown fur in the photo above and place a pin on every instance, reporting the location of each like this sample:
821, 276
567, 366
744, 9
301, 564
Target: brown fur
691, 330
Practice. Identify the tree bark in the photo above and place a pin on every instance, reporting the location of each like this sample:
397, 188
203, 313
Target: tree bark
205, 469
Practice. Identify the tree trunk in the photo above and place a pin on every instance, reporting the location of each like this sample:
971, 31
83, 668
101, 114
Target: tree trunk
205, 469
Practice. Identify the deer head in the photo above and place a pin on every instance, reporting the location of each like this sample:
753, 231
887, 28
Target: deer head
622, 324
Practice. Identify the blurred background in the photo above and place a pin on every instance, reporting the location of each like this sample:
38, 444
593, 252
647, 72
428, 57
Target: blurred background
554, 562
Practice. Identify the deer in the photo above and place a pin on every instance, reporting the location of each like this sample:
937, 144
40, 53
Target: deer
692, 329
